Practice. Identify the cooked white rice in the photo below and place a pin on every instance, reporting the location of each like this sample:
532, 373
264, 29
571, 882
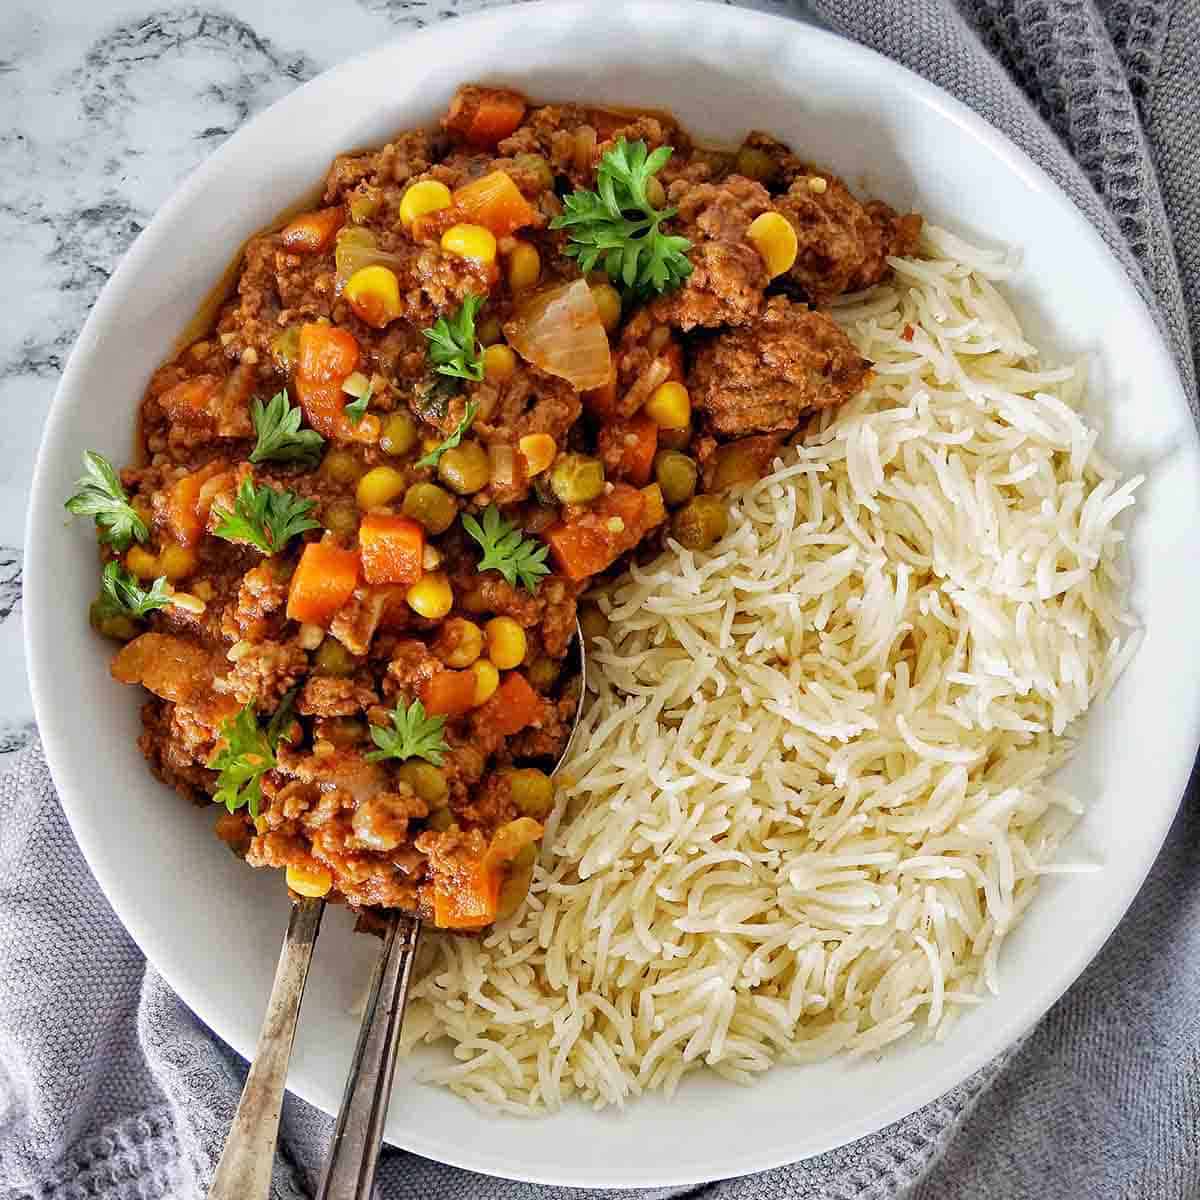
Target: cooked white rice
811, 794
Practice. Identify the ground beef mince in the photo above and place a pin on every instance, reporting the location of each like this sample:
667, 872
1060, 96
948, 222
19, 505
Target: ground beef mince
763, 377
373, 491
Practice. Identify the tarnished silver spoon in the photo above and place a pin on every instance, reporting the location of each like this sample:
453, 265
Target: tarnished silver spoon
244, 1172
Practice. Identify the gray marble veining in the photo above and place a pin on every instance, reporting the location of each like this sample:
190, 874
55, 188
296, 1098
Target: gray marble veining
104, 108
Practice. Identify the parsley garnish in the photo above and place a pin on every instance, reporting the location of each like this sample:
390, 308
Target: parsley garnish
248, 754
120, 593
435, 455
101, 496
507, 550
280, 437
265, 517
618, 227
415, 736
357, 409
453, 349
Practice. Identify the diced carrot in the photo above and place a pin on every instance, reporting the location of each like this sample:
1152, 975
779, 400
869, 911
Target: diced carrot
312, 232
592, 542
449, 693
495, 202
392, 548
324, 580
513, 706
484, 116
469, 898
190, 398
601, 402
184, 513
327, 356
628, 447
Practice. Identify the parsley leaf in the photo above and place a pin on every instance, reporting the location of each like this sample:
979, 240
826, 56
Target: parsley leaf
453, 349
507, 550
435, 455
617, 226
415, 736
101, 496
247, 754
357, 409
280, 437
265, 517
120, 593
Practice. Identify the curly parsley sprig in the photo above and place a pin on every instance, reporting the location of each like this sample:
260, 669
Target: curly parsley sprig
264, 517
617, 227
415, 736
453, 347
122, 595
247, 753
280, 438
507, 550
435, 455
101, 496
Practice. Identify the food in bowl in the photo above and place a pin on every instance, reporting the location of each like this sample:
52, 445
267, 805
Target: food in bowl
492, 365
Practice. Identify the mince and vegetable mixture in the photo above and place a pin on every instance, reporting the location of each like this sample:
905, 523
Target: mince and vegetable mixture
499, 358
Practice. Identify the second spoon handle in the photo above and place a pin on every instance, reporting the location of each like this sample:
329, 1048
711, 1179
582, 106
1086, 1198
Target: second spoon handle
244, 1172
354, 1152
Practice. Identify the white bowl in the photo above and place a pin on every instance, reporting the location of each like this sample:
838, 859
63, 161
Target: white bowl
213, 927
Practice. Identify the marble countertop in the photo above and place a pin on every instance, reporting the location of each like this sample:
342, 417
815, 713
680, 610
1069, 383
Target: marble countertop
106, 106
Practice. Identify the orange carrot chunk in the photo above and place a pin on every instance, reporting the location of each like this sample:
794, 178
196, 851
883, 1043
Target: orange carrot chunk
312, 232
513, 706
484, 116
449, 693
591, 542
495, 202
324, 580
470, 897
327, 356
392, 548
627, 449
185, 515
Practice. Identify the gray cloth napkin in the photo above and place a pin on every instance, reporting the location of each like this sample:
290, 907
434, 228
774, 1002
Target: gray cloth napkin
110, 1087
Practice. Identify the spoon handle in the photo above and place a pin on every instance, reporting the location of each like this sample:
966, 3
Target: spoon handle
354, 1152
244, 1172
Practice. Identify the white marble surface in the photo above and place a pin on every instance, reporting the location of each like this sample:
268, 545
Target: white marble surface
104, 108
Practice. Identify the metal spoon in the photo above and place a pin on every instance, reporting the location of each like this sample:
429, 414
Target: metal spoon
244, 1172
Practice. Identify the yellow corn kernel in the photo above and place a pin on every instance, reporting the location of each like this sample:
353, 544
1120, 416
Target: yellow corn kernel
309, 881
375, 294
505, 643
499, 362
655, 510
608, 301
538, 451
470, 241
142, 563
424, 197
431, 597
669, 406
176, 562
524, 266
775, 239
467, 640
487, 680
379, 486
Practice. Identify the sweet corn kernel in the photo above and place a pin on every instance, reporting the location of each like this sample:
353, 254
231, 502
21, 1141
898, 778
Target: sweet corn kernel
424, 197
775, 239
177, 562
465, 641
608, 301
505, 643
431, 597
487, 680
470, 241
538, 451
141, 562
374, 294
379, 486
309, 881
669, 406
524, 266
499, 362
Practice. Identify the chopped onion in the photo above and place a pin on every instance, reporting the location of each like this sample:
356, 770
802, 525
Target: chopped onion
503, 461
559, 330
356, 249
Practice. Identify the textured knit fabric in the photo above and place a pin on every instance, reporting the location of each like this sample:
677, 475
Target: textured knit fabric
110, 1087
